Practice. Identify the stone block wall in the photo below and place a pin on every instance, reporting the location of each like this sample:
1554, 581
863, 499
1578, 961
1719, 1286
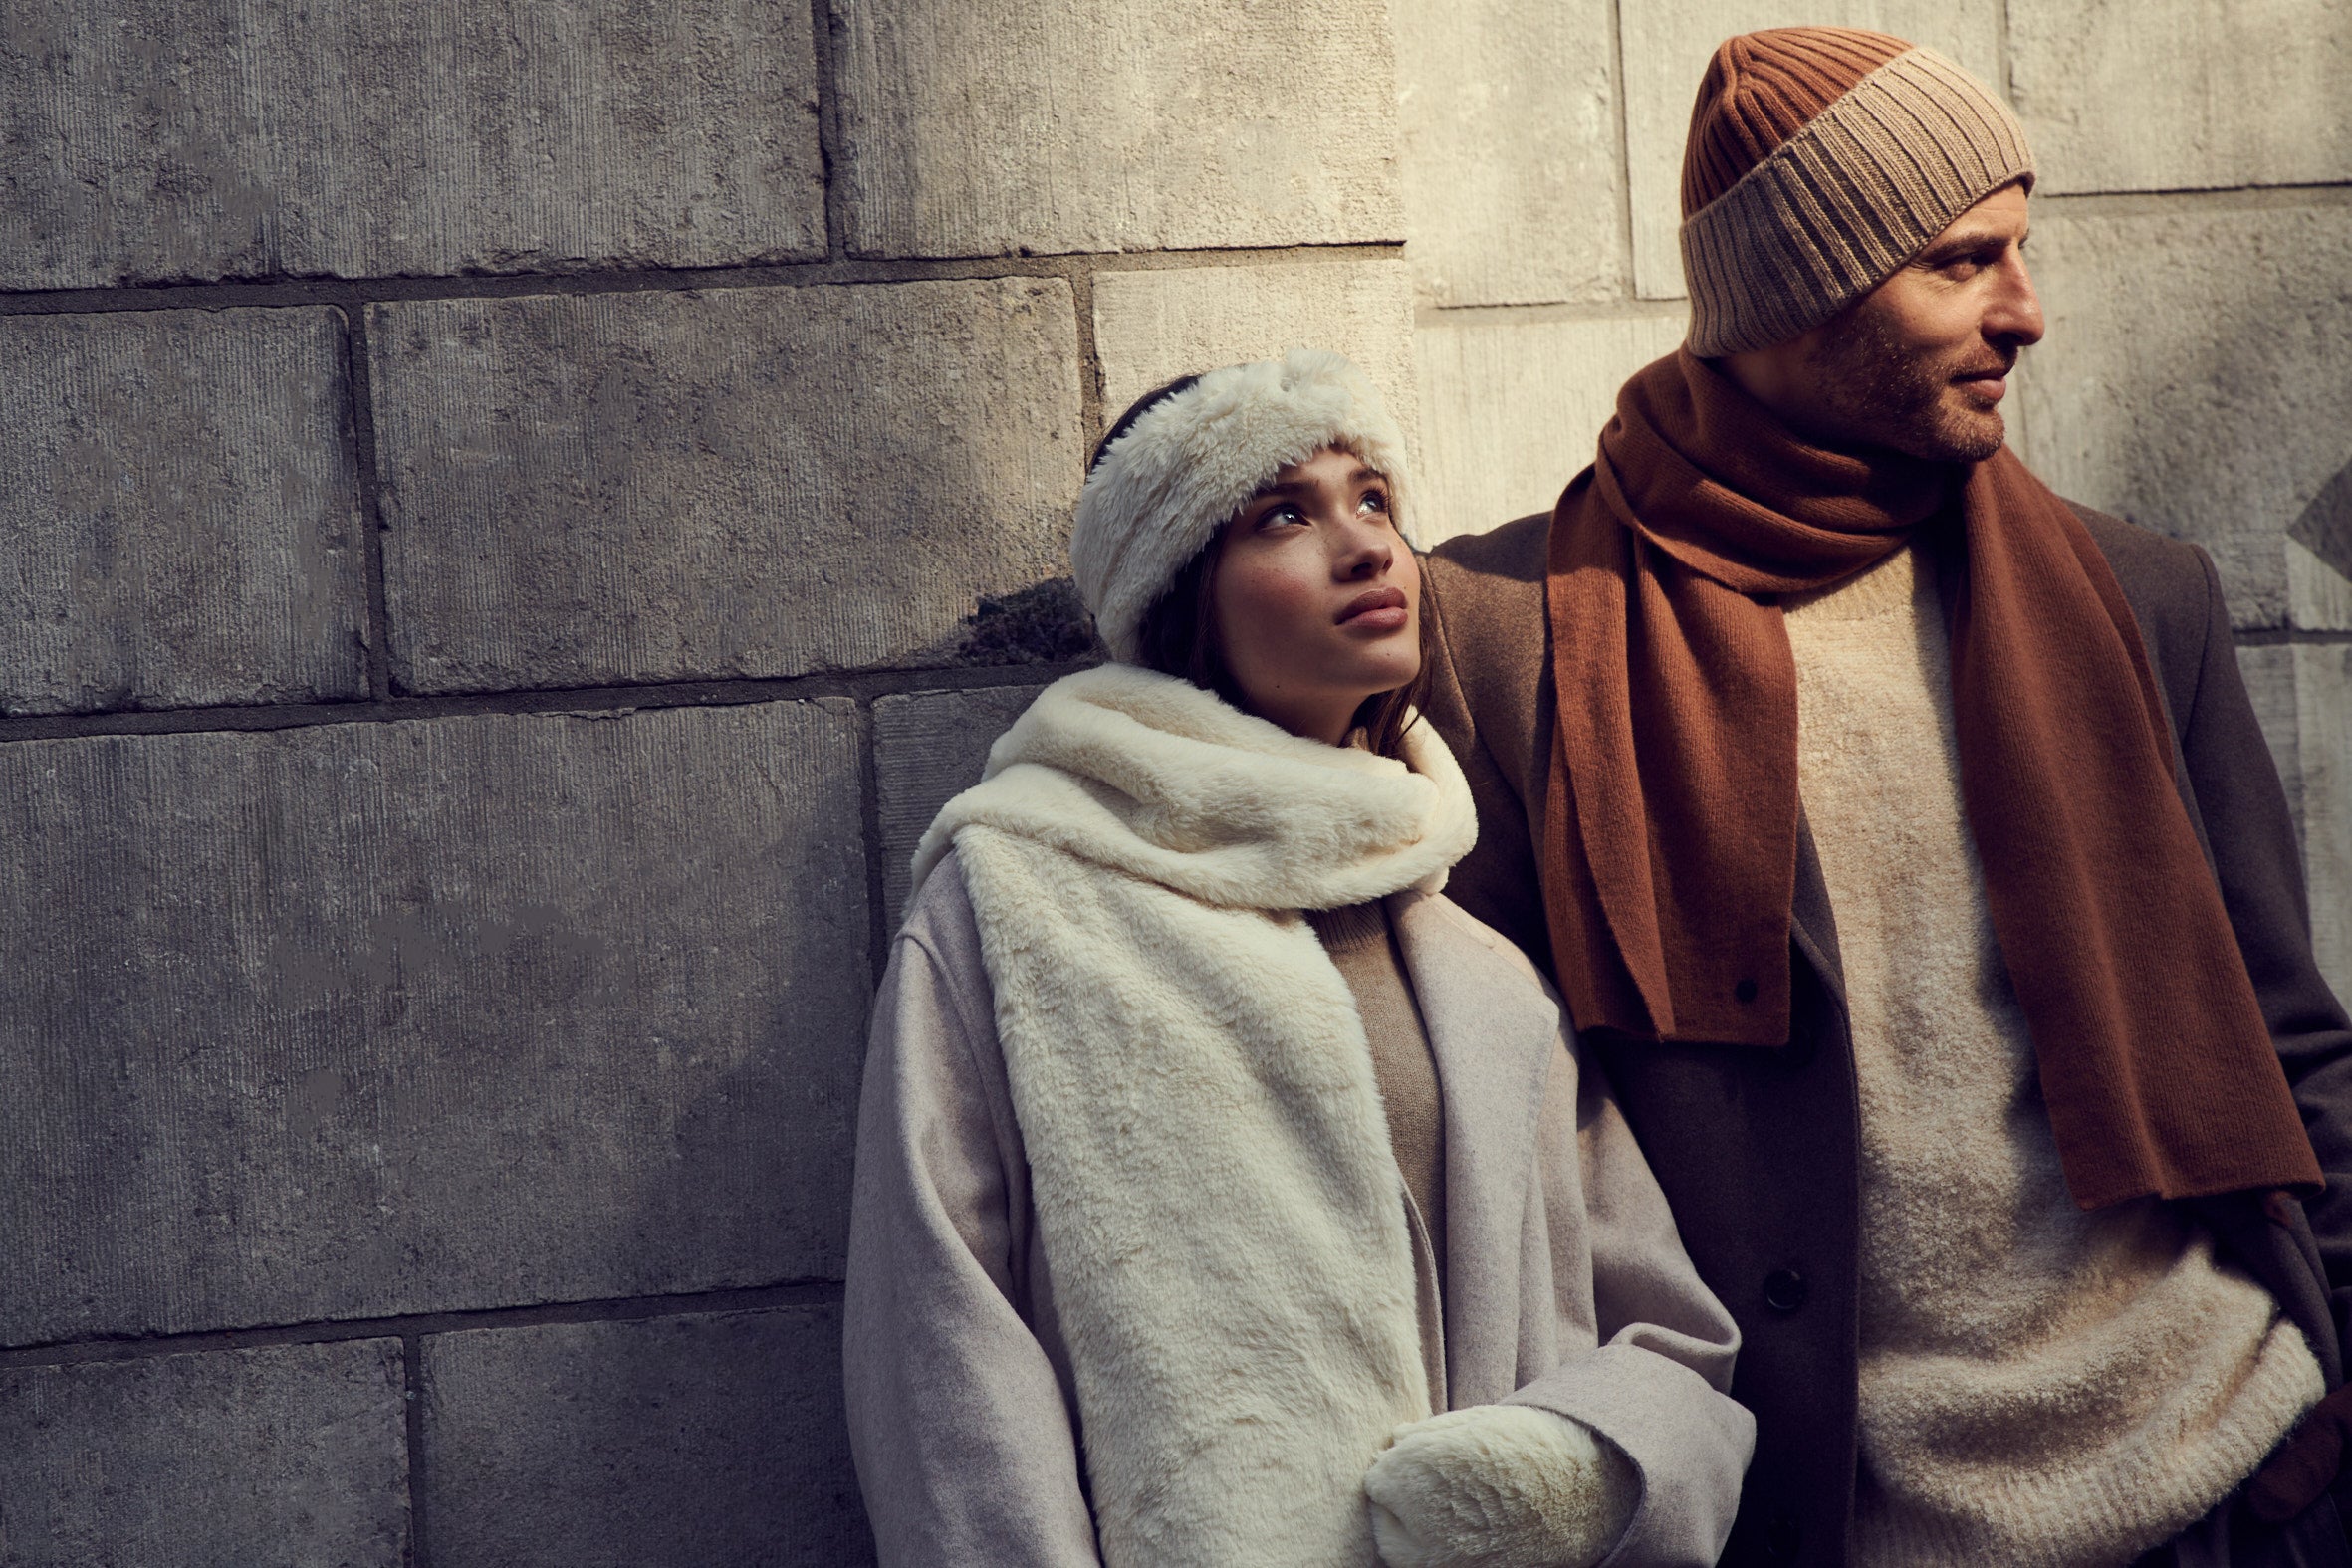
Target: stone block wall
513, 517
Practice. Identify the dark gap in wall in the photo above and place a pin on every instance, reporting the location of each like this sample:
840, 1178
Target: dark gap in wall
1091, 418
211, 295
861, 686
1624, 148
828, 123
358, 368
416, 1325
412, 1375
2289, 636
870, 822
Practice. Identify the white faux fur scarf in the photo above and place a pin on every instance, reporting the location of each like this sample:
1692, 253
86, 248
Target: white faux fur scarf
1209, 1161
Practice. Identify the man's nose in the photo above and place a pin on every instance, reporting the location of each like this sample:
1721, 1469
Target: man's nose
2016, 313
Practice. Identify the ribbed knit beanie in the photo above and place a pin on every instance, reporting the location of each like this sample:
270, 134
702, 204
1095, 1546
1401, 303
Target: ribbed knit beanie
1822, 159
1186, 463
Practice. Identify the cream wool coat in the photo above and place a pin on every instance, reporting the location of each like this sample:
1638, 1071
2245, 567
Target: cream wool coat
1566, 1287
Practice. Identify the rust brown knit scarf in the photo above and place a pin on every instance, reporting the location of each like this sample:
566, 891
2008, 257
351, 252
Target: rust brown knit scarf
1670, 847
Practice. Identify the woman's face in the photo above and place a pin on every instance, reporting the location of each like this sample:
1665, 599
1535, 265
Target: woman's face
1316, 597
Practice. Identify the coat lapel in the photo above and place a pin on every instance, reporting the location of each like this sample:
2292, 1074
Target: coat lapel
1493, 1034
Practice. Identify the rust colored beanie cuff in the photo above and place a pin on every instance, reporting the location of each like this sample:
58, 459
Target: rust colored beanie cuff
1839, 206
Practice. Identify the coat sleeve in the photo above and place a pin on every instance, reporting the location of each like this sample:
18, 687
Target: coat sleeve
963, 1440
2258, 864
1656, 1386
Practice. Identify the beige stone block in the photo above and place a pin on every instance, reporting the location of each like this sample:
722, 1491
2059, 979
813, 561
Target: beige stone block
2172, 94
1153, 325
747, 481
367, 1019
1667, 44
1508, 118
976, 127
179, 521
1512, 409
219, 138
2197, 377
930, 747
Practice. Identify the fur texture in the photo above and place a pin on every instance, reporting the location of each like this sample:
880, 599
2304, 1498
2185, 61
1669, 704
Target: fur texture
1210, 1163
1166, 487
1500, 1486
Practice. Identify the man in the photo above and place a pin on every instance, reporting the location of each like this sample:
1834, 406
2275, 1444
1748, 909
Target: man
1902, 836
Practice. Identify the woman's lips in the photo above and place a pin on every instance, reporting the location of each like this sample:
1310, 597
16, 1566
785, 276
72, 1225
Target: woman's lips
1381, 609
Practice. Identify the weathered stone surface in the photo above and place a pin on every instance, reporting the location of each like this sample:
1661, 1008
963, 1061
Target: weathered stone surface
754, 482
1666, 47
282, 1458
206, 139
1508, 118
1511, 409
707, 1439
2170, 94
1151, 327
929, 747
974, 127
178, 517
2197, 377
375, 1018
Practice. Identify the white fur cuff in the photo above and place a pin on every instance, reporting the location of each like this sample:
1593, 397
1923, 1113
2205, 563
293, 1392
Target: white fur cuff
1498, 1487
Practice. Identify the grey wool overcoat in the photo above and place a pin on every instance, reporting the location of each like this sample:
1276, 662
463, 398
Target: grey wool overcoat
1759, 1148
1564, 1286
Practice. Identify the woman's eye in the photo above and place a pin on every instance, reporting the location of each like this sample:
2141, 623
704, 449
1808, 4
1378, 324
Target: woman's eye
1278, 516
1374, 500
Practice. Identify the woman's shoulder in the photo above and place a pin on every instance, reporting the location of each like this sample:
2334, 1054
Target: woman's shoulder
939, 920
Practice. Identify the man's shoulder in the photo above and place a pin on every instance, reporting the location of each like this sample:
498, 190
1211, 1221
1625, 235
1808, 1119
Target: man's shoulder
2167, 581
1512, 553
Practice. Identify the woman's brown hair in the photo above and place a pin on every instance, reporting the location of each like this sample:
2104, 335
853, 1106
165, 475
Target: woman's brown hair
1178, 635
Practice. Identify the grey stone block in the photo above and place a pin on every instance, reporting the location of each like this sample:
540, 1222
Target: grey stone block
203, 138
2173, 95
1666, 46
280, 1458
2323, 797
178, 517
1153, 325
1511, 411
376, 1019
714, 1439
2193, 379
981, 128
759, 482
1508, 120
928, 747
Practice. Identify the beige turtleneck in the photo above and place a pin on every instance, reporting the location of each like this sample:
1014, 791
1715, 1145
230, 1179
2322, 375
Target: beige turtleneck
2038, 1385
1362, 947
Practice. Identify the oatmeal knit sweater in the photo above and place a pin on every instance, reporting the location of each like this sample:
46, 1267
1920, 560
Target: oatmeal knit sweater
2039, 1385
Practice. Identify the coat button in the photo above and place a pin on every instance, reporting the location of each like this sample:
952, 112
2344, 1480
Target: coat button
1784, 1289
1783, 1537
1745, 991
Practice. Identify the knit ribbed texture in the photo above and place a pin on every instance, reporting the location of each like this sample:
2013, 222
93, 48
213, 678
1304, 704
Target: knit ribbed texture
2040, 1386
1838, 205
1760, 89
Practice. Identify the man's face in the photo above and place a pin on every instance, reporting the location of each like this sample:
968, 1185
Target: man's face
1920, 364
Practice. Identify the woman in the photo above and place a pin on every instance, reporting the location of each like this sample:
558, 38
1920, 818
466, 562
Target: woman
1206, 1150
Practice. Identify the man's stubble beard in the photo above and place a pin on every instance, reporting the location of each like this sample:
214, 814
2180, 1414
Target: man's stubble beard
1876, 391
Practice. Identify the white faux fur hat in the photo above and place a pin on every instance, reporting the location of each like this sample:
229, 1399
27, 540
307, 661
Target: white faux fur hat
1192, 460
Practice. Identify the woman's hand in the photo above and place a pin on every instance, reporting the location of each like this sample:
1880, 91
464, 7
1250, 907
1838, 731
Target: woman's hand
1498, 1487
